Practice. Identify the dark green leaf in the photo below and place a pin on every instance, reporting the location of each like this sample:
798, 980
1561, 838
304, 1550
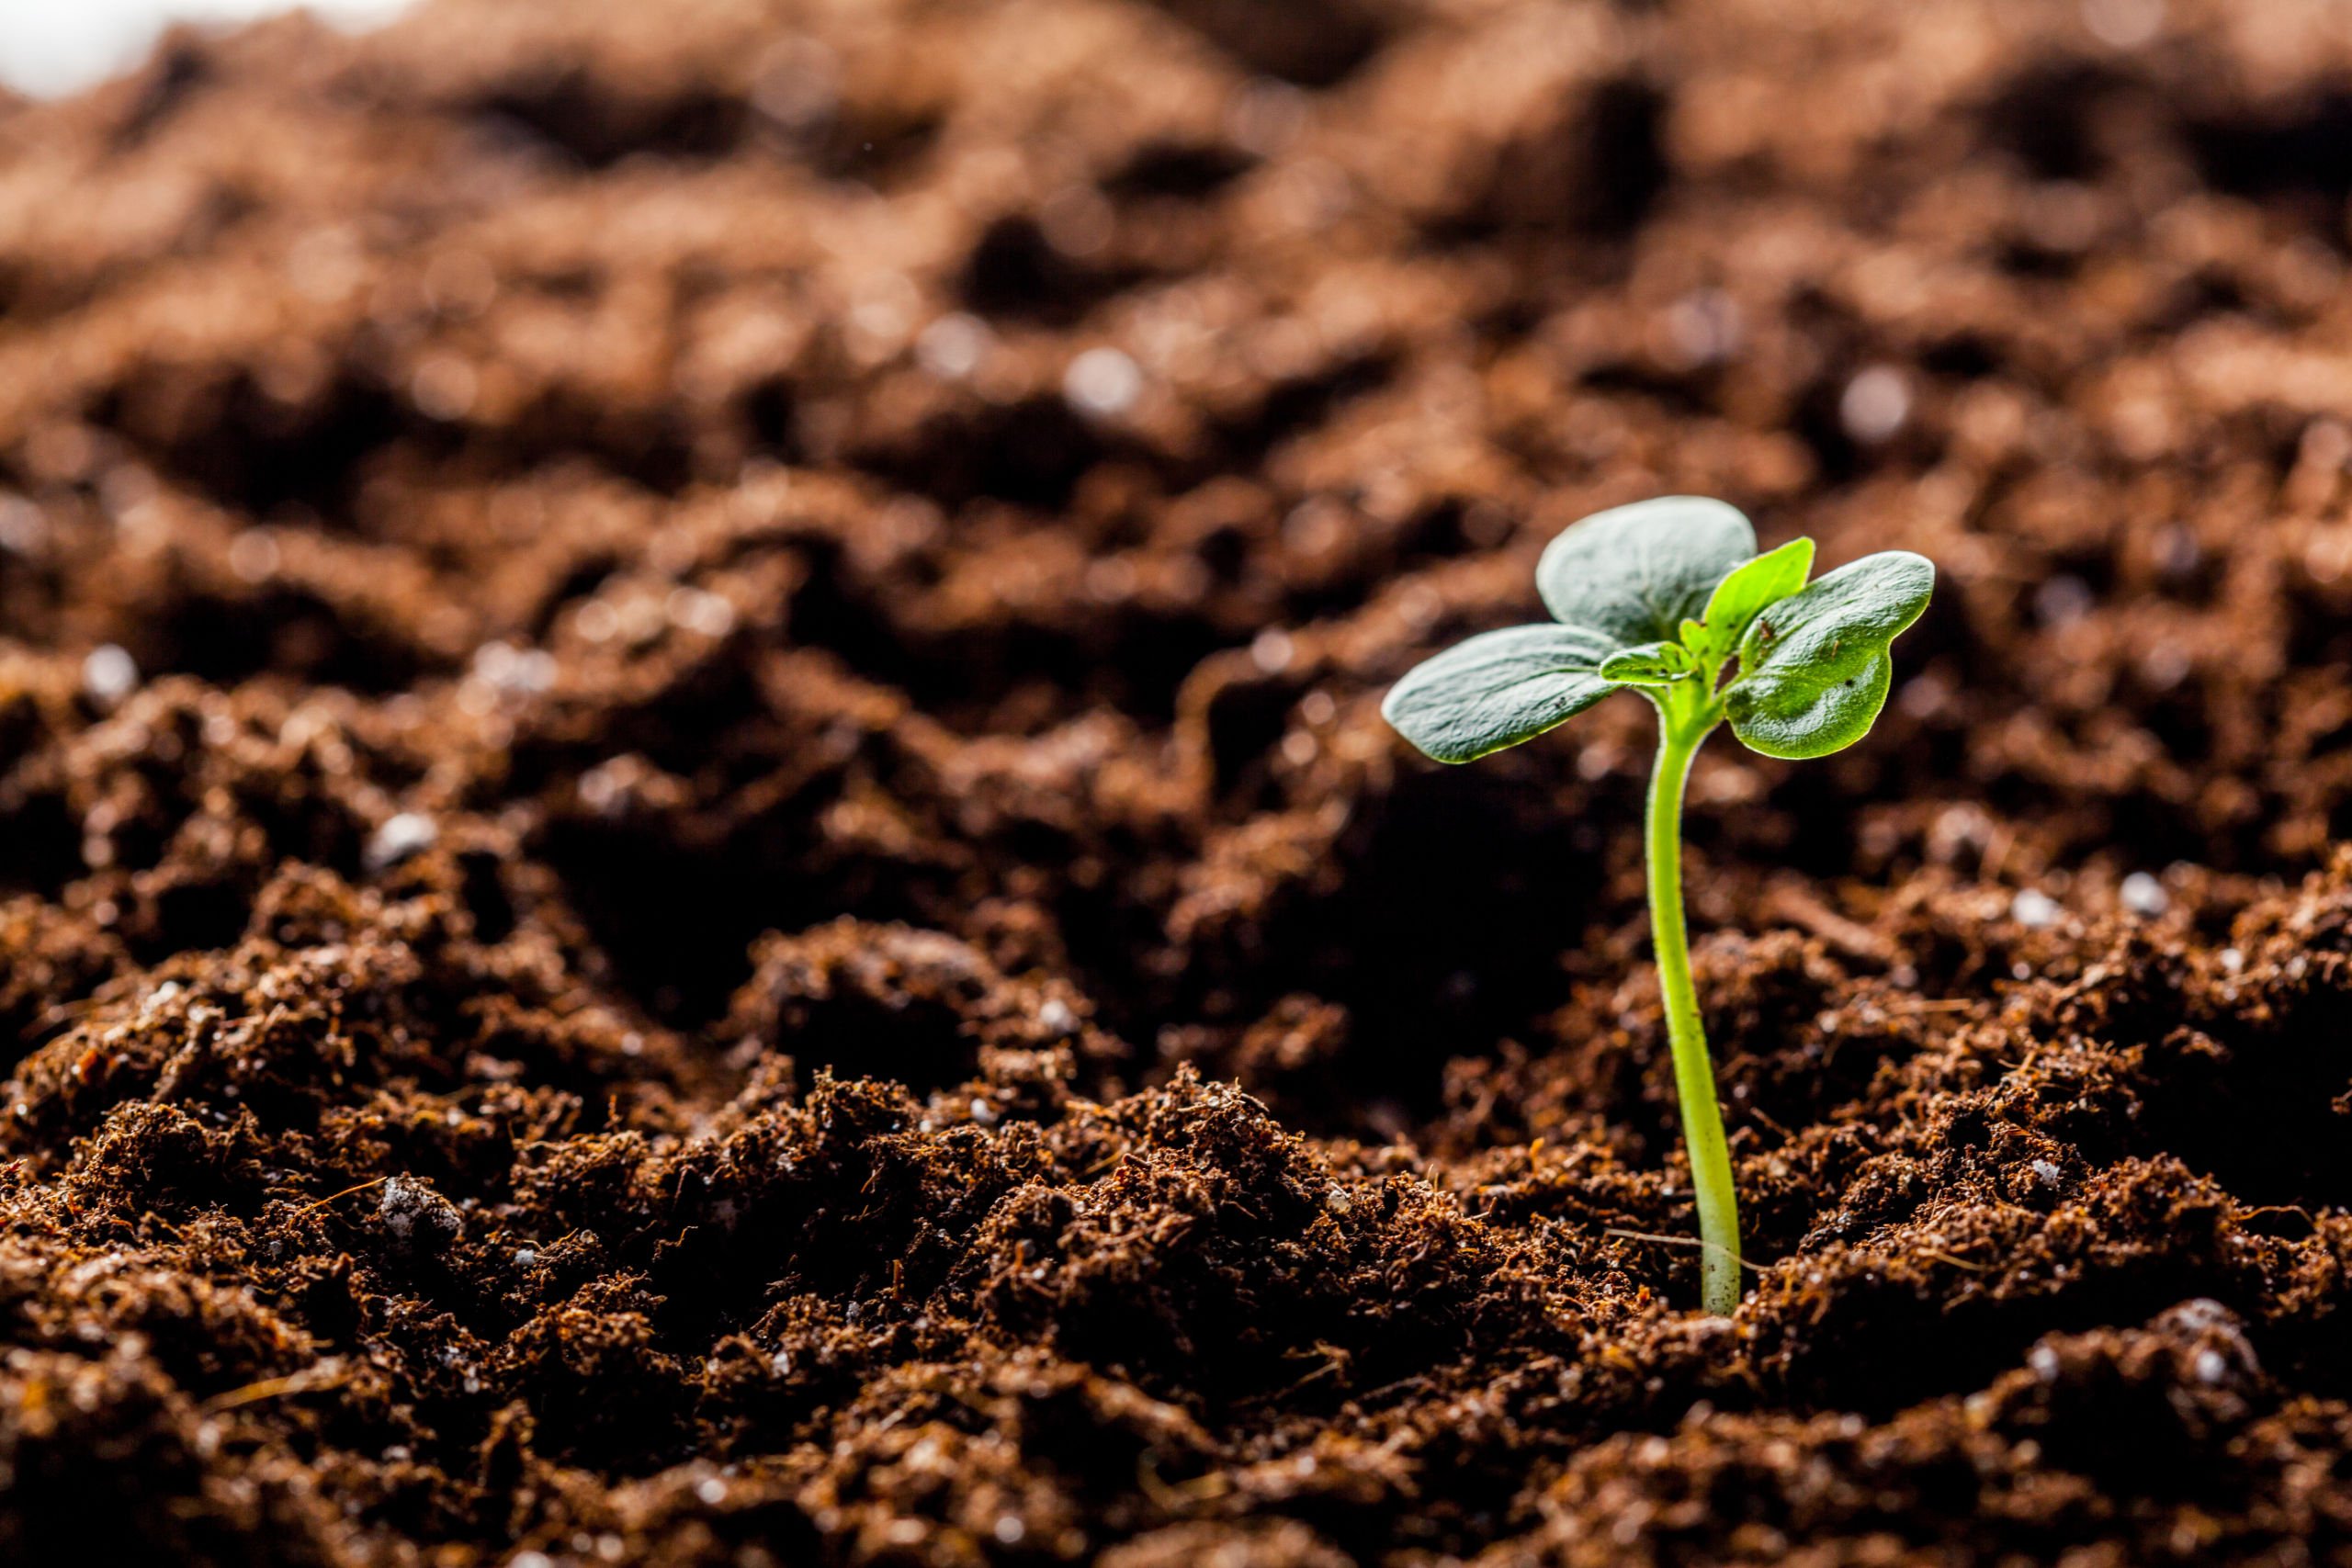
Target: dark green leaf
1499, 688
1769, 578
1635, 572
1651, 664
1813, 668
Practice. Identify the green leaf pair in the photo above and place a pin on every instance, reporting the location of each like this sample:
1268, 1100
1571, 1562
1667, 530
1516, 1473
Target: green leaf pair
1662, 595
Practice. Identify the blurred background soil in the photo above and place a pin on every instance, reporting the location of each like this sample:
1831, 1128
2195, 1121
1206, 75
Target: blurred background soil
699, 866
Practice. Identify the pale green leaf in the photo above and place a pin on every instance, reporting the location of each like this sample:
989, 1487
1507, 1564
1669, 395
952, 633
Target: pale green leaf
1769, 578
1651, 664
1636, 572
1499, 688
1813, 668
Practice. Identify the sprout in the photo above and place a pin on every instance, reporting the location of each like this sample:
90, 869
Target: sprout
1669, 597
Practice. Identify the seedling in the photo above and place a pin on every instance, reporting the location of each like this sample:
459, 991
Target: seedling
1669, 598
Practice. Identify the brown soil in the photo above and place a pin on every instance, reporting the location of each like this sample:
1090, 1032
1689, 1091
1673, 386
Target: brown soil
738, 912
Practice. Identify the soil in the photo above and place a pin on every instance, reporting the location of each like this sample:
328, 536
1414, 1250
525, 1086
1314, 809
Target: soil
699, 865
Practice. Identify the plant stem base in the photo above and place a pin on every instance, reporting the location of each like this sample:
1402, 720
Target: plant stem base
1694, 1071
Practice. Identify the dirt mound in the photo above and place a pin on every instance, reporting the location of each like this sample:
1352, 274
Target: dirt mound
697, 861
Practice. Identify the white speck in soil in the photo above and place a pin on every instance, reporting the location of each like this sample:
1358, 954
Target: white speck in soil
2033, 908
109, 675
418, 1217
699, 610
952, 346
1102, 382
1875, 405
1271, 651
408, 833
2145, 895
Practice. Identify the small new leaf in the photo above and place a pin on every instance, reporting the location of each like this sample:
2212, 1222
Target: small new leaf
1813, 668
1762, 582
1499, 688
1636, 572
1651, 664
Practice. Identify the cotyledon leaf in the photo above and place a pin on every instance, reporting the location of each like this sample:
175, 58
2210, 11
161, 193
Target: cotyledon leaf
1813, 668
1499, 688
1636, 572
1650, 664
1769, 578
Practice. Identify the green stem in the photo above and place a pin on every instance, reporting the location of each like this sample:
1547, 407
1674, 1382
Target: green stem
1695, 1072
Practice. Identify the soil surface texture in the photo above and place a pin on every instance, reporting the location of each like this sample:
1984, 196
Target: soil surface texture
697, 865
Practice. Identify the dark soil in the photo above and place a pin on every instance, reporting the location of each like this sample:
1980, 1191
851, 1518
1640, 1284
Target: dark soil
675, 892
